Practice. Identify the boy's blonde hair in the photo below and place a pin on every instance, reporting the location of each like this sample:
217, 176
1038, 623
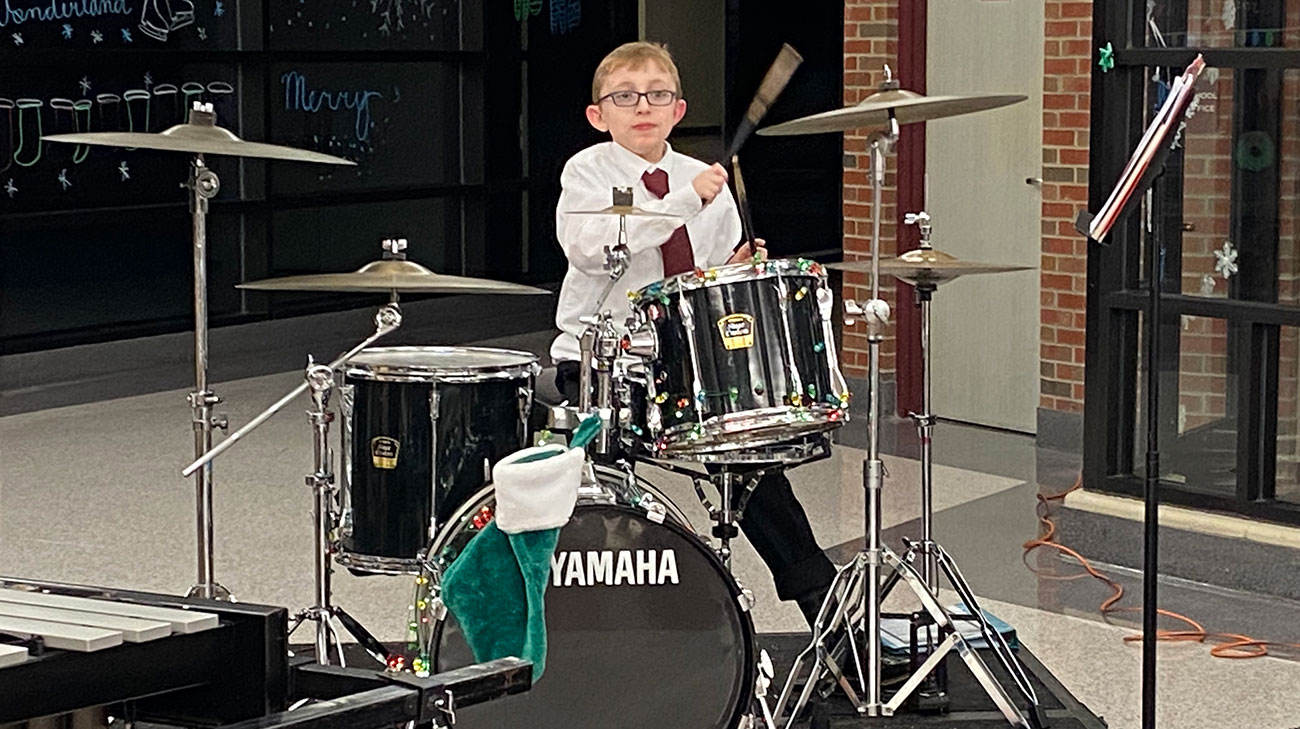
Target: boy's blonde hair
632, 55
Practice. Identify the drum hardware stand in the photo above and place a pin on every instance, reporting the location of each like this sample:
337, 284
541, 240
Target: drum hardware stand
863, 574
203, 185
726, 516
320, 380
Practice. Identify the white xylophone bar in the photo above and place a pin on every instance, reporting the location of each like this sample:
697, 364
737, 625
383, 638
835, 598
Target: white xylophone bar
11, 655
63, 636
133, 630
182, 621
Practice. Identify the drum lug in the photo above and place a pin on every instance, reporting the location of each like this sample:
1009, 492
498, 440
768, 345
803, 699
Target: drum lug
745, 598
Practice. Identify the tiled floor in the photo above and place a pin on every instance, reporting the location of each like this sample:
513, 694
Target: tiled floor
92, 493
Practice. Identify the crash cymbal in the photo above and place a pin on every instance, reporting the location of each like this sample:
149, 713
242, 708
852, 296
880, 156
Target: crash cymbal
629, 210
200, 135
926, 267
391, 276
908, 107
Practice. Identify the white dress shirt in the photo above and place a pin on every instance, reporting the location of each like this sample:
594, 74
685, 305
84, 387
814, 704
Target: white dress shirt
587, 183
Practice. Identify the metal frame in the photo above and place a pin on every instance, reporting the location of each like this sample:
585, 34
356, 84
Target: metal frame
1116, 288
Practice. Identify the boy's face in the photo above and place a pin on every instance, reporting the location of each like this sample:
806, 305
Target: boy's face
642, 128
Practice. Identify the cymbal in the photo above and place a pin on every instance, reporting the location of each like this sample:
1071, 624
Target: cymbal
629, 210
391, 276
926, 267
908, 107
198, 138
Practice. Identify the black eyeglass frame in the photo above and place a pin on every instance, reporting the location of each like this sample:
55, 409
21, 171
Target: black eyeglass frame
639, 95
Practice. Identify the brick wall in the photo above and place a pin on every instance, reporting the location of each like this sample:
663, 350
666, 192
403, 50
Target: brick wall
1067, 66
870, 42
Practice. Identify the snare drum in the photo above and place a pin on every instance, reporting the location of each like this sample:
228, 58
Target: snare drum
422, 426
744, 358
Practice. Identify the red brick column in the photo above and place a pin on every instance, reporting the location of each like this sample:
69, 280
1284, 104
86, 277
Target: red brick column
1067, 66
870, 42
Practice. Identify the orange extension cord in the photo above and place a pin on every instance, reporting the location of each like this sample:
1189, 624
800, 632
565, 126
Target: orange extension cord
1227, 645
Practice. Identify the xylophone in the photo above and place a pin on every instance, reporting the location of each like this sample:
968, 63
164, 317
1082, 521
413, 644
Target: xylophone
195, 662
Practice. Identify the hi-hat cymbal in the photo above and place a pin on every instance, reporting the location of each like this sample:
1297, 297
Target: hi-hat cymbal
198, 136
629, 210
926, 267
907, 106
392, 276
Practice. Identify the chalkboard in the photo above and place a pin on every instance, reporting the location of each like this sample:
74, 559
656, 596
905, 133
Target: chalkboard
399, 122
105, 25
360, 25
100, 97
427, 97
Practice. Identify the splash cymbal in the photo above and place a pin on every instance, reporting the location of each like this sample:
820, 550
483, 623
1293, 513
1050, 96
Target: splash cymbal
628, 210
926, 267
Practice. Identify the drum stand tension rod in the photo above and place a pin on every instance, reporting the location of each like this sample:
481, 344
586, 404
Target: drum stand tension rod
856, 594
320, 380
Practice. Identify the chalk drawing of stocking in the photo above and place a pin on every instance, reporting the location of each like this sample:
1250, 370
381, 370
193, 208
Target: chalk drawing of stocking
160, 17
63, 121
138, 103
31, 127
110, 112
192, 91
166, 103
81, 119
6, 133
220, 94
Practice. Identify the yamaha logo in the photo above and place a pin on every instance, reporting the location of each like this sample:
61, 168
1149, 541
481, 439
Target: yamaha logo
608, 567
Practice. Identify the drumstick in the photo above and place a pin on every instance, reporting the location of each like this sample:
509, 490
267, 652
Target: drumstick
771, 87
742, 203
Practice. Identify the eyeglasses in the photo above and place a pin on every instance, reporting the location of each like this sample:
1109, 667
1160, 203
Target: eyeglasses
657, 97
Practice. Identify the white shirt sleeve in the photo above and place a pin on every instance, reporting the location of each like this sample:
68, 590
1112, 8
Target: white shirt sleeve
584, 237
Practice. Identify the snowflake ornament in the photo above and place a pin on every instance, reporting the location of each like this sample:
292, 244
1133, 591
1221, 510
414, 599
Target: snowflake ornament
1226, 260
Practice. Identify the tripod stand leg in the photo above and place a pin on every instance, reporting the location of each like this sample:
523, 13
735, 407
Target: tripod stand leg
840, 597
364, 637
973, 661
992, 637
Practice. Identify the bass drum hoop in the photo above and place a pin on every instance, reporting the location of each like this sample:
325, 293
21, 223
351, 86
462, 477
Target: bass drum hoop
676, 521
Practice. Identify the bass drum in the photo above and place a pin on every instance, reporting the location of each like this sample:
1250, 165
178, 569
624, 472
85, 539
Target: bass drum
645, 627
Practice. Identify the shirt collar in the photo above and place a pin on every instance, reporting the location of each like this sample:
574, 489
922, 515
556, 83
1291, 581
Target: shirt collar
633, 165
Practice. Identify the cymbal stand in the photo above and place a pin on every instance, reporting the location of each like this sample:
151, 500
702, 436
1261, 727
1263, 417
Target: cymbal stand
861, 578
320, 380
600, 341
203, 185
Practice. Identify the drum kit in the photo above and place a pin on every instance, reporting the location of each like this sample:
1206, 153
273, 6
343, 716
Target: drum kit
732, 370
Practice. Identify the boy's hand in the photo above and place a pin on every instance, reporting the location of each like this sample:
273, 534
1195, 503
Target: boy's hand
710, 182
746, 252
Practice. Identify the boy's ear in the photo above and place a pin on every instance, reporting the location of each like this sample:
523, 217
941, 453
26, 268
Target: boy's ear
596, 118
679, 110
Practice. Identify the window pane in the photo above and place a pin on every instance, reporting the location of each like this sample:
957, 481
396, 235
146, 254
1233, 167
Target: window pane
1223, 23
1207, 185
1198, 430
1288, 416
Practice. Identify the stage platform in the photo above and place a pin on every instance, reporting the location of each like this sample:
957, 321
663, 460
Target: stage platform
968, 708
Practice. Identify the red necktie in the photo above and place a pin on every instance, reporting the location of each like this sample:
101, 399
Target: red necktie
676, 251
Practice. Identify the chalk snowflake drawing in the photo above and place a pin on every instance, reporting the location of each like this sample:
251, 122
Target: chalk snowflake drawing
392, 12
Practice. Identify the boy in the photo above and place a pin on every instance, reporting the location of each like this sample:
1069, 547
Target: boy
636, 98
